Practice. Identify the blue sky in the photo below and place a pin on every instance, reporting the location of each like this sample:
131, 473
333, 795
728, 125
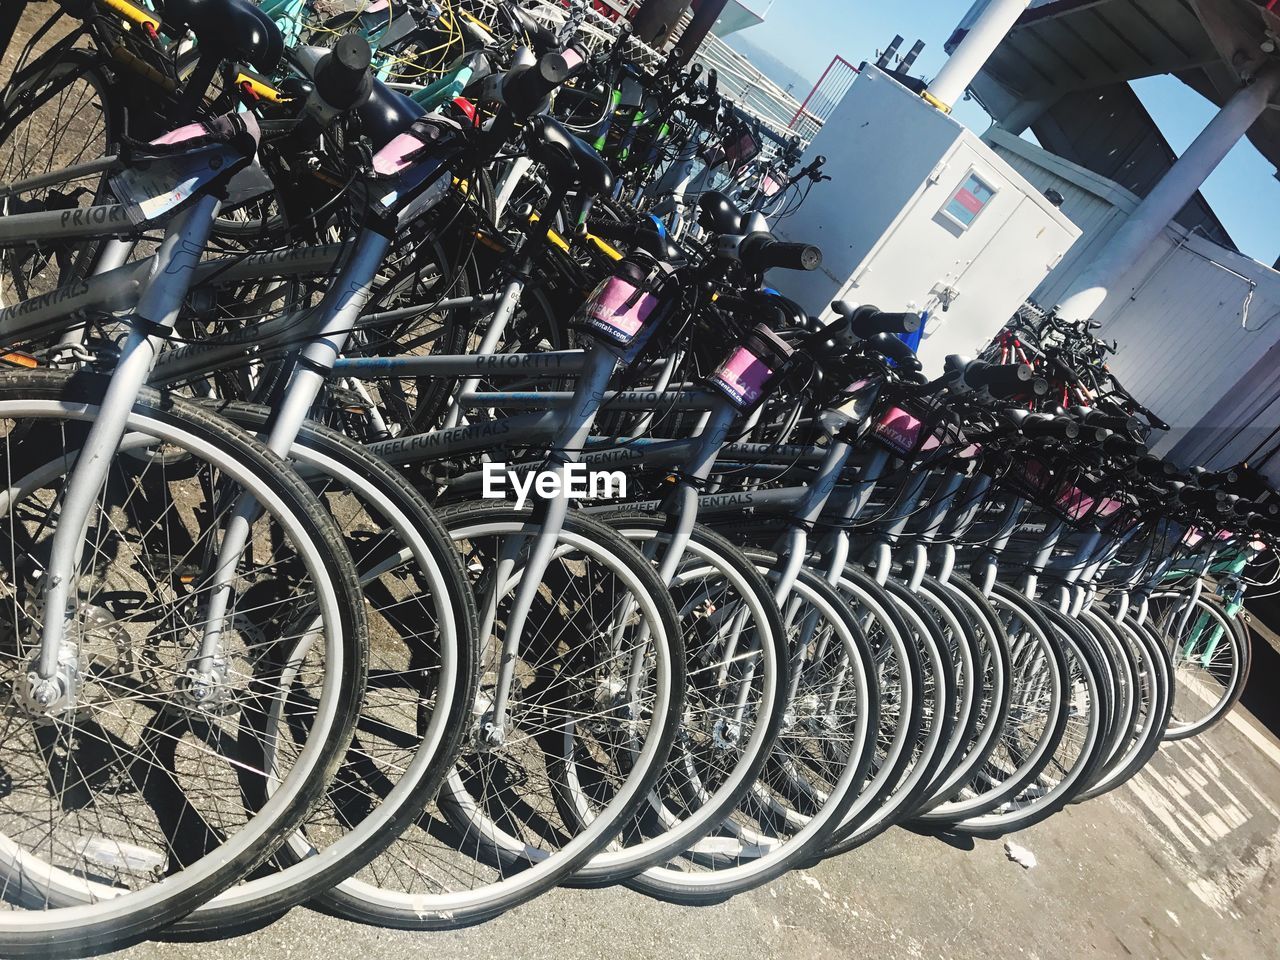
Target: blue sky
806, 34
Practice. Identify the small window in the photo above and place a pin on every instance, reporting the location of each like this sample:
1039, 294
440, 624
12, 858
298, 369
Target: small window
969, 201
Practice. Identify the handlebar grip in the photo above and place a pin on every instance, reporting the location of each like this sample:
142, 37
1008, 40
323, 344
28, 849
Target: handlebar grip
867, 321
1044, 425
342, 76
525, 89
1258, 521
1243, 508
998, 379
1155, 468
1113, 422
1206, 478
760, 252
1207, 500
1118, 444
695, 71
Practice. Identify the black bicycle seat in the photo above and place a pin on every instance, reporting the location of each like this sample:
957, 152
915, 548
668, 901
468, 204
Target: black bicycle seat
658, 242
231, 29
387, 114
566, 155
719, 214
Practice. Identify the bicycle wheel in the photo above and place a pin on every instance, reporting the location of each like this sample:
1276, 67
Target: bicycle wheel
736, 675
901, 643
145, 800
1126, 694
57, 112
1077, 752
592, 715
960, 647
1154, 693
814, 772
1038, 709
422, 676
992, 702
937, 693
1211, 656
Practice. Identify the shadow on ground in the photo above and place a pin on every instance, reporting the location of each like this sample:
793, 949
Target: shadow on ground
1260, 692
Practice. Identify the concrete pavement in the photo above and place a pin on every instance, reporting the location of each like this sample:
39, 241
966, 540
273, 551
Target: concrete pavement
1182, 863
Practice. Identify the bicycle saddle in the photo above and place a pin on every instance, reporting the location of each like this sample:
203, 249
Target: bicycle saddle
232, 29
386, 114
719, 214
556, 148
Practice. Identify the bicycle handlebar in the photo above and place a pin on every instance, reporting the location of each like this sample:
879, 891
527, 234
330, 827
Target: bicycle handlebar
866, 321
759, 252
342, 75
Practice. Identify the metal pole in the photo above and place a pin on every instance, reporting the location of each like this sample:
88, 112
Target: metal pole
977, 46
705, 14
656, 18
1169, 196
10, 14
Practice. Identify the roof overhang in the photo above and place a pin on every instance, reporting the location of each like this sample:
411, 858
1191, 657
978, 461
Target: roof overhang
1064, 46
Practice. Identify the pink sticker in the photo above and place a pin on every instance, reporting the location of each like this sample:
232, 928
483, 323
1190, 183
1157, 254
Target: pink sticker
742, 149
769, 186
899, 430
969, 452
393, 158
1073, 502
188, 132
617, 311
571, 57
1029, 477
1107, 506
1223, 535
743, 376
376, 6
1192, 537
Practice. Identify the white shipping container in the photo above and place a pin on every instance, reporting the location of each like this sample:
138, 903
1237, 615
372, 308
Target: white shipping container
920, 214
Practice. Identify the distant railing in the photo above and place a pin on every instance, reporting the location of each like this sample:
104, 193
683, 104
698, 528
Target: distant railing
825, 96
743, 83
739, 79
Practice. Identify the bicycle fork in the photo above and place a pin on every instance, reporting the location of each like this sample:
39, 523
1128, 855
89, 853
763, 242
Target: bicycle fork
53, 678
206, 674
566, 449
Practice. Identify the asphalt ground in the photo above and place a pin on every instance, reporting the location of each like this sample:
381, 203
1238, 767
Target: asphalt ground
1183, 862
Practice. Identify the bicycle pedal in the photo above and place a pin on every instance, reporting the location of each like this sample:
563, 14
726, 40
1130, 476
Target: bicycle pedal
342, 400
